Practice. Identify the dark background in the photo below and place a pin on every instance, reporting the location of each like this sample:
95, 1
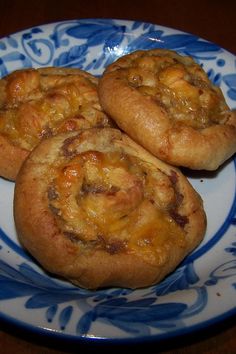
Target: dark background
213, 20
210, 19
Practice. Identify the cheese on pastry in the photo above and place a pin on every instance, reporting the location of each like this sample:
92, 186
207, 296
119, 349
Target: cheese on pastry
166, 103
96, 208
38, 103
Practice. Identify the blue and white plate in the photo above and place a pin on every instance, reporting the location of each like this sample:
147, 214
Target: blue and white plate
202, 290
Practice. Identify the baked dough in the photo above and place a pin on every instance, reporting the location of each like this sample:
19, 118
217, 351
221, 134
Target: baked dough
38, 103
166, 103
96, 208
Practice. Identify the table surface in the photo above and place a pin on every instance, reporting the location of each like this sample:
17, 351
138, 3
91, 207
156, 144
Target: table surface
210, 19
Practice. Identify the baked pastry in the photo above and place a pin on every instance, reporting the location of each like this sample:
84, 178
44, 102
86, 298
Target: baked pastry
166, 103
38, 103
96, 208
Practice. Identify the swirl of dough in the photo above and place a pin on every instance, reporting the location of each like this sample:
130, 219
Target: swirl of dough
38, 103
116, 214
167, 103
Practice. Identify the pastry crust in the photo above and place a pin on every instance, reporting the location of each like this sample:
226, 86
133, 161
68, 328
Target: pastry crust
166, 103
99, 210
38, 103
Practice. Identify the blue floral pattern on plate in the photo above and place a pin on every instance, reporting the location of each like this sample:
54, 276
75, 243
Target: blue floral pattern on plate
203, 288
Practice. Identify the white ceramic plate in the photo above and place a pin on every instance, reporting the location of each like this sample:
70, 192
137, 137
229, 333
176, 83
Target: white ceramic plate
203, 288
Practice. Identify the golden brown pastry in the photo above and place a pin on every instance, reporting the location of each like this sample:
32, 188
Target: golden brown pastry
96, 208
38, 103
167, 104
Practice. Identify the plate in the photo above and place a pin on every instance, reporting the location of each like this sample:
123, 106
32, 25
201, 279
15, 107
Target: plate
202, 290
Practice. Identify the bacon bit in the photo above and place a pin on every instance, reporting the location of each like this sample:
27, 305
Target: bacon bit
73, 237
181, 220
112, 190
66, 147
173, 177
54, 210
52, 194
179, 198
78, 117
113, 247
89, 188
46, 133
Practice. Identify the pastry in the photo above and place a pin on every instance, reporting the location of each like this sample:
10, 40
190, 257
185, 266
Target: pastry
38, 103
166, 103
96, 208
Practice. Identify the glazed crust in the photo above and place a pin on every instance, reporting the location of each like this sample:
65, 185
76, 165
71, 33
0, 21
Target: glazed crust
97, 209
38, 103
166, 103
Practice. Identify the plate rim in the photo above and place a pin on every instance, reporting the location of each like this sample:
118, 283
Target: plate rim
153, 337
178, 334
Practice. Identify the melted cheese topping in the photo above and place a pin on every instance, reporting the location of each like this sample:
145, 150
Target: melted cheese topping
179, 86
34, 105
115, 202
